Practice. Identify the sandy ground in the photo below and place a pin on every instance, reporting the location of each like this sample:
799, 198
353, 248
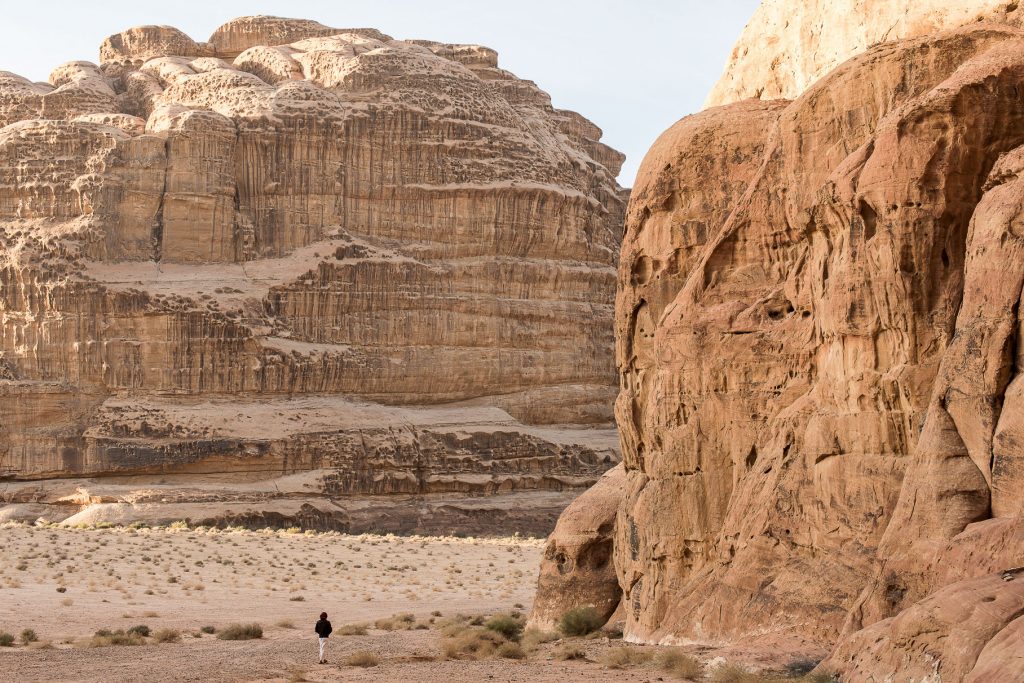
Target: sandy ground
187, 579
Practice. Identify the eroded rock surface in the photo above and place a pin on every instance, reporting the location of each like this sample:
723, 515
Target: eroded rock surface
818, 339
790, 44
577, 569
291, 219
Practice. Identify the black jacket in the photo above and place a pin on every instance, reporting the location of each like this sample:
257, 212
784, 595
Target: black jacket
323, 628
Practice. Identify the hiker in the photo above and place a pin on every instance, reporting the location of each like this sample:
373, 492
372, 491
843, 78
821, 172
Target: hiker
323, 630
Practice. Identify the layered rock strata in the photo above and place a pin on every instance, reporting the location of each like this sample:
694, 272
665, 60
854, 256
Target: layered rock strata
818, 340
288, 220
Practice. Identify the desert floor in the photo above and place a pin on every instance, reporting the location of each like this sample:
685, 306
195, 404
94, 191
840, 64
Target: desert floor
66, 584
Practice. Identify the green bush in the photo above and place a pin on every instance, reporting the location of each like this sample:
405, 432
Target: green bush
6, 639
580, 621
140, 630
506, 625
241, 632
28, 636
208, 629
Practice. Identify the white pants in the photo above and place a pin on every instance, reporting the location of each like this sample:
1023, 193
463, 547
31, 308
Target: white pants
323, 646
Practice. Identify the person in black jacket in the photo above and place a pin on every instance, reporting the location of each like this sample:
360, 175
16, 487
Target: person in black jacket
323, 631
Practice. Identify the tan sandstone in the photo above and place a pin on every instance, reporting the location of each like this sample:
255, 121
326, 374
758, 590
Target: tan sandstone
295, 248
818, 342
790, 44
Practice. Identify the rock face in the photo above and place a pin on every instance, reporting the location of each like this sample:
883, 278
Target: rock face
577, 568
790, 44
818, 336
278, 250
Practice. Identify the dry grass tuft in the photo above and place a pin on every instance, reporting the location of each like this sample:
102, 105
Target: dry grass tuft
241, 632
534, 638
625, 657
472, 644
167, 635
352, 630
362, 658
569, 653
679, 664
105, 638
511, 651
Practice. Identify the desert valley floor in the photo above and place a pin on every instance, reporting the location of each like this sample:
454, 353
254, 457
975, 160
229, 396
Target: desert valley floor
67, 584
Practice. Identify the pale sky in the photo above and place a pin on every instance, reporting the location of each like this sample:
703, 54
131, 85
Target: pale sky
633, 67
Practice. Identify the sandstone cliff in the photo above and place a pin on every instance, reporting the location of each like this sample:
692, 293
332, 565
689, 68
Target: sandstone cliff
295, 248
790, 44
818, 338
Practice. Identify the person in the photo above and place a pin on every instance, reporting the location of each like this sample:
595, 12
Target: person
323, 631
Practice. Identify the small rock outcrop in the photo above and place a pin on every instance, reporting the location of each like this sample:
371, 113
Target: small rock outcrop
577, 569
294, 248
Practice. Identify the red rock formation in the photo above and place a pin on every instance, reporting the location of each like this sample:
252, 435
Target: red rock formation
817, 329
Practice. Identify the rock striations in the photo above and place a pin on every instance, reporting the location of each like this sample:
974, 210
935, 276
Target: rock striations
300, 249
819, 342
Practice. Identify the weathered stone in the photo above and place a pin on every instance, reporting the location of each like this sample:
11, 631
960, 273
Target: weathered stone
817, 327
790, 44
577, 570
337, 215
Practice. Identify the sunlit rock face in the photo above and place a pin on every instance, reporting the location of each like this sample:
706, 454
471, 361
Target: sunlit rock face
789, 44
191, 232
818, 342
577, 570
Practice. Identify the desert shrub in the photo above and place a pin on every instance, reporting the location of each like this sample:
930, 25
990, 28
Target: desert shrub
473, 643
679, 664
569, 652
105, 638
506, 625
28, 636
733, 673
625, 657
285, 623
511, 651
396, 622
351, 630
140, 630
208, 629
451, 626
241, 632
534, 637
580, 621
6, 639
362, 658
296, 598
167, 635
